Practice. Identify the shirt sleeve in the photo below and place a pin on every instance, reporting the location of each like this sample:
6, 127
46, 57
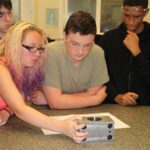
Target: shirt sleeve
111, 90
142, 65
99, 73
52, 77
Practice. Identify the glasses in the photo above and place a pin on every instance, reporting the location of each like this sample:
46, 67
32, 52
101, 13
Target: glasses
135, 9
77, 45
8, 13
134, 13
33, 49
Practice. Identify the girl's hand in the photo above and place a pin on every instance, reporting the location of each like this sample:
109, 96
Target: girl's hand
72, 129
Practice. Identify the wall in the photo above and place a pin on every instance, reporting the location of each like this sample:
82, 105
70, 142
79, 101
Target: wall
147, 18
52, 31
27, 10
16, 10
35, 11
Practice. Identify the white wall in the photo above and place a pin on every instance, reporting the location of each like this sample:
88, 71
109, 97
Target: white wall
35, 11
54, 31
147, 18
27, 10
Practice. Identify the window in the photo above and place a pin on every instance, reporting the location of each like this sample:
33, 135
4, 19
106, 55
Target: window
107, 13
110, 14
85, 5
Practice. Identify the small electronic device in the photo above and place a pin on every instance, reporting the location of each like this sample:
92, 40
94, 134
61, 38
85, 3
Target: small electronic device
99, 128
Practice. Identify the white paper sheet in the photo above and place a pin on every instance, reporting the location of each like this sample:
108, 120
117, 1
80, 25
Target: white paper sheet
118, 124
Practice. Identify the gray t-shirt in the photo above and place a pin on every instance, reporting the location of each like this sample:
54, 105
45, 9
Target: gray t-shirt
62, 74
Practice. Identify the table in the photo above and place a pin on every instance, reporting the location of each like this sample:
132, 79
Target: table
18, 135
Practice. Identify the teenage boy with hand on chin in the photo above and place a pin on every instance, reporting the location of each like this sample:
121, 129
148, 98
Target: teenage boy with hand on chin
127, 53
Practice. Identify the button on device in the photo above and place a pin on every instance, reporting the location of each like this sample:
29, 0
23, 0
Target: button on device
110, 125
109, 137
94, 118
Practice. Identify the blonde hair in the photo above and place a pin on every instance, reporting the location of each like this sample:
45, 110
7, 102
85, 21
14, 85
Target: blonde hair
10, 46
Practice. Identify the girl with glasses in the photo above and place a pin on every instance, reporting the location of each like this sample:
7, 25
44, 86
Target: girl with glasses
21, 73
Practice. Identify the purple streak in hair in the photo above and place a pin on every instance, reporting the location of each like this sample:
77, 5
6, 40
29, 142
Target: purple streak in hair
29, 83
29, 87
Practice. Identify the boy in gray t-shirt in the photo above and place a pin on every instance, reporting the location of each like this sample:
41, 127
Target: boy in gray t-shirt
75, 68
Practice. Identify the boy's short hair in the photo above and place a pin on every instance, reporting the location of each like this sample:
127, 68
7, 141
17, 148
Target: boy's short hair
81, 22
6, 3
143, 3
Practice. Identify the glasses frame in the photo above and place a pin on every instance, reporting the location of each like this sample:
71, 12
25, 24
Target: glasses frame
33, 49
